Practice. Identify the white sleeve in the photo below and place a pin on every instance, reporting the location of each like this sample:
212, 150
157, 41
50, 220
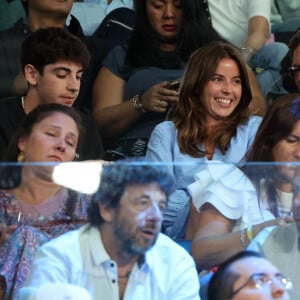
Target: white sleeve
259, 8
186, 284
49, 266
225, 187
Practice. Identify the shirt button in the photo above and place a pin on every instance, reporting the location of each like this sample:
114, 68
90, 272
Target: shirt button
112, 265
113, 281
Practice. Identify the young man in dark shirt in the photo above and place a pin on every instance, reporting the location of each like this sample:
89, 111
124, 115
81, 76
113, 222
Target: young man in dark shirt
43, 14
53, 61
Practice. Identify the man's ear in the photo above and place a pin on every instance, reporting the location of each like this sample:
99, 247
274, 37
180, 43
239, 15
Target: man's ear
31, 74
107, 213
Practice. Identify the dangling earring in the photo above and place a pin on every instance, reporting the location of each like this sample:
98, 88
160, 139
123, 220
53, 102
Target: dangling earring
76, 156
21, 157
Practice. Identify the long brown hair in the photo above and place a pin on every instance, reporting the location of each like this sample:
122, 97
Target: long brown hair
277, 124
190, 114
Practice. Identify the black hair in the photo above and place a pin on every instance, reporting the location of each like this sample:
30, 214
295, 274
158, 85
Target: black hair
196, 31
220, 286
50, 45
25, 6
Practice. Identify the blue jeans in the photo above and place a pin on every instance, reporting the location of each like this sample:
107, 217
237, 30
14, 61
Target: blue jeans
266, 66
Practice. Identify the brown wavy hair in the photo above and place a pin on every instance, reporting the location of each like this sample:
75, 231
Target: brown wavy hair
190, 113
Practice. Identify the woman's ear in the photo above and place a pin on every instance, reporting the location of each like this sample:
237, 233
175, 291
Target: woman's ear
31, 74
22, 143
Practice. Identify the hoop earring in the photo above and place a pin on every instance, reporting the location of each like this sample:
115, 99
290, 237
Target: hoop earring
21, 157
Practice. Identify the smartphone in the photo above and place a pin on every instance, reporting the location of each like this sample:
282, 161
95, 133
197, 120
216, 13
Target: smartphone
174, 85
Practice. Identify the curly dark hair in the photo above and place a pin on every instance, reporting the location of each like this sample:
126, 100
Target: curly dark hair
116, 177
50, 45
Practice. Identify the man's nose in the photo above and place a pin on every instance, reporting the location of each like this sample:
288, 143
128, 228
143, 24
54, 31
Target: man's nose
277, 289
74, 84
154, 212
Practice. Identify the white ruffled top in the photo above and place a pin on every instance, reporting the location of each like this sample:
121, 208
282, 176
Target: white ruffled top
230, 191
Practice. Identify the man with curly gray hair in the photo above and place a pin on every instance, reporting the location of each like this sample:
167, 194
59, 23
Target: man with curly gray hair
120, 253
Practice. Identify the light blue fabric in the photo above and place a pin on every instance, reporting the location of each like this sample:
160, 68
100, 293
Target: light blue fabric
80, 258
117, 4
266, 65
163, 147
91, 13
290, 25
204, 283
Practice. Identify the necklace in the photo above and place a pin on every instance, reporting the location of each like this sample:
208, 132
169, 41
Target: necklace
31, 212
40, 216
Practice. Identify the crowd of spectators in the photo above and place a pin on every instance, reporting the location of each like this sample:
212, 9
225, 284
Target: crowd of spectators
207, 88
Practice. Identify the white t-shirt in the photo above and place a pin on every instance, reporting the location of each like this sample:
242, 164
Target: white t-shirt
230, 17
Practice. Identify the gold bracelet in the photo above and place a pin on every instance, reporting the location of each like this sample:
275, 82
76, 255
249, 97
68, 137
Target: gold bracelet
137, 103
243, 238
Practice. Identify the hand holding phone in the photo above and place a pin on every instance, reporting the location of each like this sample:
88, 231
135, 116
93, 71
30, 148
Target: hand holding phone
174, 85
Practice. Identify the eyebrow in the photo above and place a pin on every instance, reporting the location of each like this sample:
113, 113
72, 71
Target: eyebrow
294, 136
221, 75
59, 128
259, 274
66, 70
149, 197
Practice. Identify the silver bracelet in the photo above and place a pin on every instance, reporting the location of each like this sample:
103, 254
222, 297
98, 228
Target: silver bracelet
137, 103
243, 238
248, 53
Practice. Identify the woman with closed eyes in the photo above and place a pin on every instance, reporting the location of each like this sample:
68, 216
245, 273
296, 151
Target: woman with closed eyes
37, 209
